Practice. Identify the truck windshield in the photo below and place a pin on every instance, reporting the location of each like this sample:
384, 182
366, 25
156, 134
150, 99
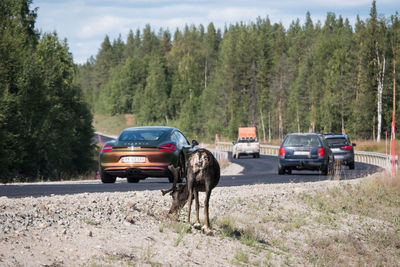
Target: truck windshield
247, 140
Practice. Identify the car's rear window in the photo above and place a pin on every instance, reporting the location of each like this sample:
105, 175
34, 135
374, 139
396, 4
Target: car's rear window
337, 141
141, 135
302, 140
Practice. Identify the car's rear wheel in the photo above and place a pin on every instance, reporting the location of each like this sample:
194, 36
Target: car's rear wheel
281, 170
107, 178
351, 166
132, 179
325, 170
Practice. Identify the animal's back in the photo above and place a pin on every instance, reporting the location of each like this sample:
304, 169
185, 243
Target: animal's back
202, 162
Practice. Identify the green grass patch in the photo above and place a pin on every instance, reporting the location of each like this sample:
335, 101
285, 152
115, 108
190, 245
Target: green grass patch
371, 199
246, 235
241, 257
91, 222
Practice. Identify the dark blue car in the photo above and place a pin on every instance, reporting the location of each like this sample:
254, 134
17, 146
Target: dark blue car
305, 151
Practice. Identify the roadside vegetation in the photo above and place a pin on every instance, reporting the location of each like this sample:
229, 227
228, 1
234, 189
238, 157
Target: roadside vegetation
348, 224
45, 124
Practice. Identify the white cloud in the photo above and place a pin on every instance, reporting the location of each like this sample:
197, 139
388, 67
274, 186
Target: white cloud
100, 26
86, 22
236, 14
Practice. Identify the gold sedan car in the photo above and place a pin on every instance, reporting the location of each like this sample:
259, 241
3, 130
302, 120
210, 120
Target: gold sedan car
141, 152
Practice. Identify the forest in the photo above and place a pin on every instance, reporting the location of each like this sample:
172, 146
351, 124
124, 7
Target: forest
45, 124
323, 77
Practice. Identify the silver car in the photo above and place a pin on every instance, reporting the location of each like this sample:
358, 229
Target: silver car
342, 148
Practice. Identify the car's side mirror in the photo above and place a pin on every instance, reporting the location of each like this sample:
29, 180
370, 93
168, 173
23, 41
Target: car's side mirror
195, 143
353, 144
233, 142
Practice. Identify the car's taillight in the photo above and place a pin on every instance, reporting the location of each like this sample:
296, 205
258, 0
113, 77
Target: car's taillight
282, 152
346, 147
321, 152
168, 147
106, 148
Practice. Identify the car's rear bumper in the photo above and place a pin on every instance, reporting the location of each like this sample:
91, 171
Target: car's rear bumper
155, 165
345, 159
138, 171
303, 164
248, 151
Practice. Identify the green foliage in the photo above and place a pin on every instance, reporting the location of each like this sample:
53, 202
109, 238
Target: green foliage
311, 77
44, 124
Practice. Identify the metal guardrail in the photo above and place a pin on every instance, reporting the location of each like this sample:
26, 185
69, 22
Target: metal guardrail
108, 136
379, 159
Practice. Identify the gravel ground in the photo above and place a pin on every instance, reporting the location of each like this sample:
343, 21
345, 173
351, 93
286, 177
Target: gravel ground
115, 229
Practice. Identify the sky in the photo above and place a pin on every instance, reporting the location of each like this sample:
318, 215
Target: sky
85, 23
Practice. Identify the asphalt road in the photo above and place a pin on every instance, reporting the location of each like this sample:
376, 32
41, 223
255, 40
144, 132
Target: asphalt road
260, 170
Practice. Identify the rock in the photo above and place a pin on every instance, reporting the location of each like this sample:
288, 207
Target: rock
90, 234
129, 219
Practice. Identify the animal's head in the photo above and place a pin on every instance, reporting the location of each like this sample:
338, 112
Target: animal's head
180, 196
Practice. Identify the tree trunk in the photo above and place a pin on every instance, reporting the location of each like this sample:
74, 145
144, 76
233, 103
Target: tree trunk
380, 78
280, 105
262, 123
269, 127
312, 118
205, 73
297, 119
253, 95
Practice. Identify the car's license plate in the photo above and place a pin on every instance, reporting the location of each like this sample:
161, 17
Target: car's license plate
133, 159
302, 153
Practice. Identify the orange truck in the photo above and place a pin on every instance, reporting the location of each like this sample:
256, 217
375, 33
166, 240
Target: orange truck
247, 143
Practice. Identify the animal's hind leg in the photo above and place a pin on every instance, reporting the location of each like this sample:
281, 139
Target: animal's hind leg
190, 197
206, 201
196, 198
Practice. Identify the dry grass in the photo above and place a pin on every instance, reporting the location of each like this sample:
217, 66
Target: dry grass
372, 234
373, 146
346, 224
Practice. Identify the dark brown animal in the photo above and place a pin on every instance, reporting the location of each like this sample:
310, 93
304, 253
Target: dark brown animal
203, 175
